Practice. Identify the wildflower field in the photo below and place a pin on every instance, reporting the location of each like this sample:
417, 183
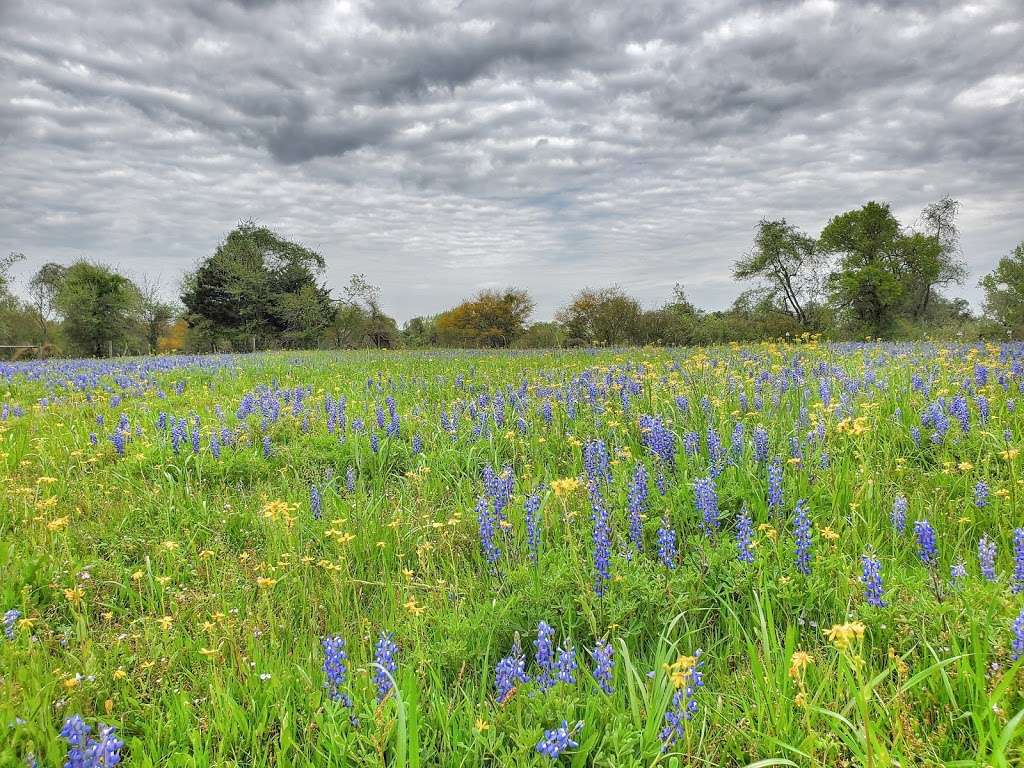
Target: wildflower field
799, 554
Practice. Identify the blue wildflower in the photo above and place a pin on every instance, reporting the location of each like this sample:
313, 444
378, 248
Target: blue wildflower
684, 702
898, 517
510, 672
667, 544
602, 541
636, 506
707, 503
987, 557
10, 619
1017, 583
926, 548
604, 662
558, 740
566, 664
385, 657
980, 494
1017, 646
745, 537
315, 504
760, 444
545, 655
802, 537
871, 578
336, 669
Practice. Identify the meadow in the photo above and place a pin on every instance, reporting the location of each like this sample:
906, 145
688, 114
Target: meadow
793, 554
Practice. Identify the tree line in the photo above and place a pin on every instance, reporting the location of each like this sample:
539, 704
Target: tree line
864, 276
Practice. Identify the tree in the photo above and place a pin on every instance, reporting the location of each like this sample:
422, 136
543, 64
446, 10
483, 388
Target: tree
359, 320
783, 258
934, 259
8, 303
257, 288
605, 316
868, 284
490, 319
420, 332
99, 307
42, 289
155, 314
1004, 292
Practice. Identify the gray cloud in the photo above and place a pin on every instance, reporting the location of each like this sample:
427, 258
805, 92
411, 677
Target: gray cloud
445, 146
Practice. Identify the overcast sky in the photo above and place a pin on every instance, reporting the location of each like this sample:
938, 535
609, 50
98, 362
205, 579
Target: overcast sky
442, 147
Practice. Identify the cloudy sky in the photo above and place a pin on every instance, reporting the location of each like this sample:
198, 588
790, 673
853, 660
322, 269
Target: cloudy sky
441, 147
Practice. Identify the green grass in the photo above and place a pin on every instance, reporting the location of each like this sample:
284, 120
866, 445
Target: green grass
163, 600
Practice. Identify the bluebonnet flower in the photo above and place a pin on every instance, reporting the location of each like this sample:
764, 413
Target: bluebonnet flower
374, 442
659, 439
215, 445
93, 440
602, 541
510, 672
684, 700
86, 752
486, 524
596, 461
802, 536
417, 445
107, 750
637, 505
1017, 584
532, 506
825, 392
736, 441
691, 443
824, 461
745, 537
987, 557
667, 544
178, 434
958, 410
266, 447
195, 440
983, 408
604, 662
336, 669
386, 657
1017, 646
118, 440
350, 479
546, 413
76, 733
980, 375
898, 517
659, 483
707, 504
558, 740
566, 664
10, 619
926, 549
682, 403
760, 444
957, 571
795, 449
980, 494
871, 578
775, 485
545, 655
715, 452
915, 435
315, 504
